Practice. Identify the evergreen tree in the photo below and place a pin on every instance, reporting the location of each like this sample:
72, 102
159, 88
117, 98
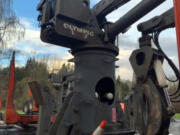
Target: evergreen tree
122, 88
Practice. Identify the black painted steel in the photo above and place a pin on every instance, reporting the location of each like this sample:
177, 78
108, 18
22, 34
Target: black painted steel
133, 15
158, 23
104, 7
72, 24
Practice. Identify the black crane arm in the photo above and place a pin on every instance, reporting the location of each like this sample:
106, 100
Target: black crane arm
132, 16
158, 23
104, 7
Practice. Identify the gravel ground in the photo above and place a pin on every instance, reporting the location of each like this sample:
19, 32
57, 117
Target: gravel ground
175, 127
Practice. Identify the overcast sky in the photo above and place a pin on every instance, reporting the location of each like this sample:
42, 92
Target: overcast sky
32, 46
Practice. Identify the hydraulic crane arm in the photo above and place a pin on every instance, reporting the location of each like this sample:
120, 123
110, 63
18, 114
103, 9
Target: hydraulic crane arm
158, 23
104, 7
133, 15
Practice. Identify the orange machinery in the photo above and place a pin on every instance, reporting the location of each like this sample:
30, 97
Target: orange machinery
34, 107
177, 22
0, 105
11, 116
0, 101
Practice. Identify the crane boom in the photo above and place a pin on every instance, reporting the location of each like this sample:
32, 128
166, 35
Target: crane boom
133, 15
105, 7
158, 23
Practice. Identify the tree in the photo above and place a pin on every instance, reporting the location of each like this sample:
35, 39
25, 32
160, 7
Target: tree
122, 88
33, 69
37, 70
10, 26
65, 68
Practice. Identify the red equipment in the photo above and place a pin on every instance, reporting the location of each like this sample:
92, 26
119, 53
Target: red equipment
122, 106
177, 20
0, 101
114, 114
100, 129
34, 108
11, 116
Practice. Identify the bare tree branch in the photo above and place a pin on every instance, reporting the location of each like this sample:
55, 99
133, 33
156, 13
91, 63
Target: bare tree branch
10, 26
